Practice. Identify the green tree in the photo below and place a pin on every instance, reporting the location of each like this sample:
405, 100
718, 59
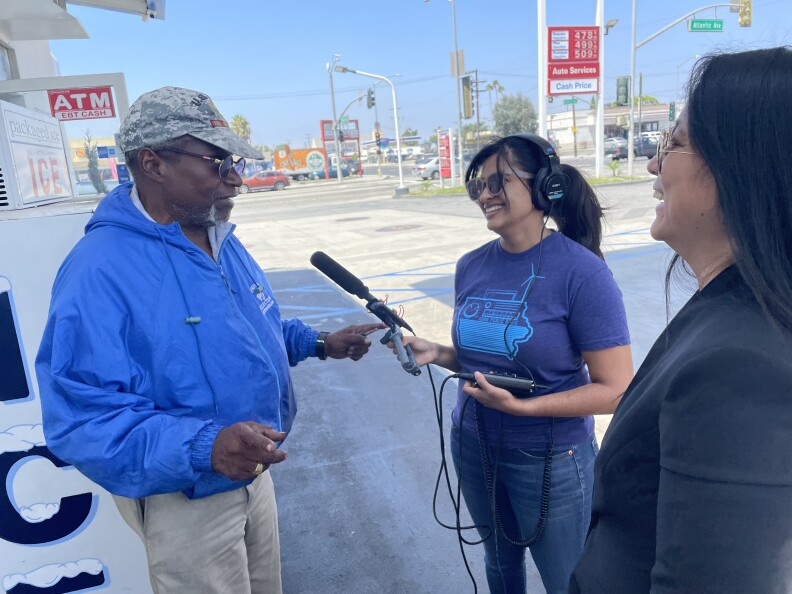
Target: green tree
498, 88
514, 114
410, 132
89, 144
647, 100
433, 137
241, 127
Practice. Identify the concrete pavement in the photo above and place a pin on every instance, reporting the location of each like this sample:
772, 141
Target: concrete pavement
355, 494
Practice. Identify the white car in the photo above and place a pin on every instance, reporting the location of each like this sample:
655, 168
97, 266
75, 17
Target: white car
428, 168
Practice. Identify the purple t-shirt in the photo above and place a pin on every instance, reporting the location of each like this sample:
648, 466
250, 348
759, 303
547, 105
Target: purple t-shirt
572, 306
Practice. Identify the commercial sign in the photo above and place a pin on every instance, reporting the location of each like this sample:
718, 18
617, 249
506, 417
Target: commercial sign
573, 60
37, 156
581, 86
82, 104
444, 146
349, 129
574, 70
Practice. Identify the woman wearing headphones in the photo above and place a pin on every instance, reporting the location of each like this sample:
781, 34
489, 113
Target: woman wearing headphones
693, 488
542, 305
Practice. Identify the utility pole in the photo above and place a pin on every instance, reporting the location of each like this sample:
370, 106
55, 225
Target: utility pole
640, 105
478, 112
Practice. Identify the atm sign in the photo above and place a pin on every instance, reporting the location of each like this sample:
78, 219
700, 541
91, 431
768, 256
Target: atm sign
82, 104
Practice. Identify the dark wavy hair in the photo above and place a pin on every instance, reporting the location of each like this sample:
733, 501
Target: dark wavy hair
740, 124
578, 215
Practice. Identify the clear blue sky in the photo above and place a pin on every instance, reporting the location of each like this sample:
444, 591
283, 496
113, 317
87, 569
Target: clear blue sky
266, 60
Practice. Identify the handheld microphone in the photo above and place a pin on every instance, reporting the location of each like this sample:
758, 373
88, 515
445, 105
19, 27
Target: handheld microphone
352, 284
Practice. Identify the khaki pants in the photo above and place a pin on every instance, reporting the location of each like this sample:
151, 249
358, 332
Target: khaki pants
226, 543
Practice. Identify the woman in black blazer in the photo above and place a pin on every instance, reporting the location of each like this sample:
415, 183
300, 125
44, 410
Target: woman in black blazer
693, 486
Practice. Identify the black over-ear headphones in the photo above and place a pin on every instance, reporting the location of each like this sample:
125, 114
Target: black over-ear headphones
550, 183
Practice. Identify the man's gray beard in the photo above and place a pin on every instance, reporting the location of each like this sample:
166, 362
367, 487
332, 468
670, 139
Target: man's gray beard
193, 218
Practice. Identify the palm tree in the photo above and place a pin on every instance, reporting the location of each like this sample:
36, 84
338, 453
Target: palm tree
498, 88
241, 127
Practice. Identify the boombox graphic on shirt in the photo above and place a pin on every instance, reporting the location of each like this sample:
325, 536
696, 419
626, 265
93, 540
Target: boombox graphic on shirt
496, 323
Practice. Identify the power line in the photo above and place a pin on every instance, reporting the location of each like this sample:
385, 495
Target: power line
316, 92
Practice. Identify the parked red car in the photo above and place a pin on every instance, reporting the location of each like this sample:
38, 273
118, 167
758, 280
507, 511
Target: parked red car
265, 180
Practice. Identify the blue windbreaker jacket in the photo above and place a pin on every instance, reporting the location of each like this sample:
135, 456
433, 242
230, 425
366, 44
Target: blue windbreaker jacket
152, 347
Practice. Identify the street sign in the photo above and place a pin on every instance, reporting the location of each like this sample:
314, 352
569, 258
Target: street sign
570, 101
706, 25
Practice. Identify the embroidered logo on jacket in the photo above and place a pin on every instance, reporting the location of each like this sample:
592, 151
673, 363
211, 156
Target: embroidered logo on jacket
265, 300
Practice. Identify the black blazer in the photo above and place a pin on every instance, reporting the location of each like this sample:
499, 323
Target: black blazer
693, 485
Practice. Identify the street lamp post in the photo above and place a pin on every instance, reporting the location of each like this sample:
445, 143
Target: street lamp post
401, 189
457, 74
634, 46
330, 67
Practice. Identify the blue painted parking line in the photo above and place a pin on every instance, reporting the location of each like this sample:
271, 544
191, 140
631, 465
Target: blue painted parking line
316, 312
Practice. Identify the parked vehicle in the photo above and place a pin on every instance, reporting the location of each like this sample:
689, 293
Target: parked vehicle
645, 146
299, 164
265, 180
333, 172
427, 168
616, 148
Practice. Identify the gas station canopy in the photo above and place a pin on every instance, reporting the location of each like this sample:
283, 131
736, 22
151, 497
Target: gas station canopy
24, 20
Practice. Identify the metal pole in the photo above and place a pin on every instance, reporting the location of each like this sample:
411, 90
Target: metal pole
631, 130
401, 189
330, 68
541, 53
478, 115
640, 105
574, 129
457, 73
599, 127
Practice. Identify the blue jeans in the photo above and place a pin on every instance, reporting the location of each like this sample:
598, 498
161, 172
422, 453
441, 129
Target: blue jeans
518, 493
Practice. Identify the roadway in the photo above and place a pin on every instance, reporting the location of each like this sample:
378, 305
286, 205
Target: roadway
355, 494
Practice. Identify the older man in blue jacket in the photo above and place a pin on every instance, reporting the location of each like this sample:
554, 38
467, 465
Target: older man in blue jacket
164, 367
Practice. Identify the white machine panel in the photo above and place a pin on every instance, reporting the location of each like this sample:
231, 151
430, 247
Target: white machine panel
33, 160
59, 532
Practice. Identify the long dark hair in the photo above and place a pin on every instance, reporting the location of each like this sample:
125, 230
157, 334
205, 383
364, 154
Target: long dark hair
740, 125
578, 215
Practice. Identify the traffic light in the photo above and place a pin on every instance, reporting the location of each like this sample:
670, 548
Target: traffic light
377, 137
340, 135
370, 99
744, 19
672, 112
623, 90
467, 98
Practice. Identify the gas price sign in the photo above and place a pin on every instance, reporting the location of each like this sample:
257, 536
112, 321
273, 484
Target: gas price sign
572, 60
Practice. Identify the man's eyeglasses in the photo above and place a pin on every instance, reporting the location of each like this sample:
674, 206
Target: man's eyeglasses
224, 166
494, 183
663, 150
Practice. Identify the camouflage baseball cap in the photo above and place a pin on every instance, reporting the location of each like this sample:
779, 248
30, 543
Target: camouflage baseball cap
171, 112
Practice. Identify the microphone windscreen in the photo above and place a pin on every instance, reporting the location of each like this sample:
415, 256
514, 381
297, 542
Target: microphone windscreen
339, 275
